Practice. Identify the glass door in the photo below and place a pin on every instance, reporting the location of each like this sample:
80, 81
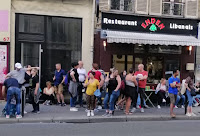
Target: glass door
31, 55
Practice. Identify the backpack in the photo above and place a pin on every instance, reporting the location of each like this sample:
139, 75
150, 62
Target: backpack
67, 78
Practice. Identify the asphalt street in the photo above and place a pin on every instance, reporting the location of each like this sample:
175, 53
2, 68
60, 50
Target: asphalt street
141, 128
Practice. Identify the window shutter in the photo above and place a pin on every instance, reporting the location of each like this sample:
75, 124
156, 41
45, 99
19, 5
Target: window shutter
141, 6
104, 5
191, 9
155, 7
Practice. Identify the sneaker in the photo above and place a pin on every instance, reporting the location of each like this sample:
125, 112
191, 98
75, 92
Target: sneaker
88, 113
142, 110
92, 113
182, 106
159, 107
109, 115
104, 115
188, 114
196, 104
138, 107
86, 110
58, 103
36, 112
99, 107
18, 116
133, 110
63, 104
73, 109
117, 107
176, 107
163, 100
194, 115
146, 106
25, 112
7, 116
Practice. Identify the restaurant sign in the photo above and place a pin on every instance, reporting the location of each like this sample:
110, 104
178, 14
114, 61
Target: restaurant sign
135, 23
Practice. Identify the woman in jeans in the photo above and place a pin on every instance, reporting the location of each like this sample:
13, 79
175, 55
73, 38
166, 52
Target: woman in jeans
92, 84
73, 85
114, 83
161, 91
189, 83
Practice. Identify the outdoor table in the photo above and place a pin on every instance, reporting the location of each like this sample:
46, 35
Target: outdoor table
149, 95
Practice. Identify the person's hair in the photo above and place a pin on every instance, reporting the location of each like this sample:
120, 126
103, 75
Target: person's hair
93, 73
74, 64
95, 66
162, 79
58, 64
131, 70
48, 83
174, 71
191, 74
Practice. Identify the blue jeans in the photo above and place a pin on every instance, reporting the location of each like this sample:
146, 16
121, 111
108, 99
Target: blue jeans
139, 100
179, 98
196, 97
73, 101
111, 98
190, 98
16, 92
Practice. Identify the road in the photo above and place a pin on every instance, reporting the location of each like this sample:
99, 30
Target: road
149, 128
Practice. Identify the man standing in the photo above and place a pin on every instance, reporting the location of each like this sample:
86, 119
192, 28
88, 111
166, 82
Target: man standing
82, 76
12, 87
174, 84
142, 76
59, 79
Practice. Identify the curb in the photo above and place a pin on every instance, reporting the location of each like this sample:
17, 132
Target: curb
95, 120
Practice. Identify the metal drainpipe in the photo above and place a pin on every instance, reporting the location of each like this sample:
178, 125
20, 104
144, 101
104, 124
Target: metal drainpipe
92, 29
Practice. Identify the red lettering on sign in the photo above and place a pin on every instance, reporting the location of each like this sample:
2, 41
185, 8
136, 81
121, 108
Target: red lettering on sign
143, 25
147, 22
158, 22
153, 20
161, 26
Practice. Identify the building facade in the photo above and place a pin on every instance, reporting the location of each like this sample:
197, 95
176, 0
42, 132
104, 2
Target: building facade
161, 34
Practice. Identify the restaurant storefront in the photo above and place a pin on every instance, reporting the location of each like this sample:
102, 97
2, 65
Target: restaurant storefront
161, 44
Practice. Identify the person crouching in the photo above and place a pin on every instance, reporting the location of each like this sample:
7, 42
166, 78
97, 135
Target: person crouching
92, 84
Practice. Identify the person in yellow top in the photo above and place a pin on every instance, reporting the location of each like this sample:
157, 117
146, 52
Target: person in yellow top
92, 85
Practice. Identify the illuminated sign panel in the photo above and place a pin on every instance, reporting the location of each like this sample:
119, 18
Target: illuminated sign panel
135, 23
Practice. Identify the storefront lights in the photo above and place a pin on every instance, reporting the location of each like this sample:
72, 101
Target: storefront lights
190, 50
104, 45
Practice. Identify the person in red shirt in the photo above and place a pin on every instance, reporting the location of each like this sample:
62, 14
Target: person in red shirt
141, 75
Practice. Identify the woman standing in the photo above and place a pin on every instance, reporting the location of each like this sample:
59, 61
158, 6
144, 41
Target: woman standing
92, 84
131, 91
34, 89
114, 83
73, 85
189, 83
161, 90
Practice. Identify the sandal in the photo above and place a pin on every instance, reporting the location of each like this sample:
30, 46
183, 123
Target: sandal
128, 113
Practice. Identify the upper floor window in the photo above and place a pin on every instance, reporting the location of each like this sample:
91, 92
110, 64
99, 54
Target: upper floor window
173, 7
124, 5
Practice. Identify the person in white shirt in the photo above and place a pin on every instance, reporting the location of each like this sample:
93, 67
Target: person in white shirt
161, 90
82, 76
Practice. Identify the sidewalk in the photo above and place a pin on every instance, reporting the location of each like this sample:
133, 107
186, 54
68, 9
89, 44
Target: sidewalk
51, 114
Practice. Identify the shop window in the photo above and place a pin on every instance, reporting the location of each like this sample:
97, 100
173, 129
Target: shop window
124, 5
31, 24
173, 7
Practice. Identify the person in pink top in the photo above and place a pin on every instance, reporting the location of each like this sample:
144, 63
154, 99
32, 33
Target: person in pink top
141, 76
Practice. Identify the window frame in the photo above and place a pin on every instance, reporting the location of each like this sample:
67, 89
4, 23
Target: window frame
122, 6
172, 8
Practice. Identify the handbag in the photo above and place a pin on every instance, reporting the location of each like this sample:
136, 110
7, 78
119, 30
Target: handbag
193, 93
97, 93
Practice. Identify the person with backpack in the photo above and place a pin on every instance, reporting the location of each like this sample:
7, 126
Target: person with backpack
82, 76
59, 79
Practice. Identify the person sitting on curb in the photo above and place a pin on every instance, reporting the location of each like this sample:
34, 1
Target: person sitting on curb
12, 87
48, 94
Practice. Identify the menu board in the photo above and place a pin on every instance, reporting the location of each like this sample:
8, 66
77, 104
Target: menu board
3, 63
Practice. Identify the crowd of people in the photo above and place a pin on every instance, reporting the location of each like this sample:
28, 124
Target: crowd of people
121, 90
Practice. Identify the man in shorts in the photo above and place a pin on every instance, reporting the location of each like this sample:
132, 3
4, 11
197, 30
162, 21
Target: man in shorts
174, 84
59, 79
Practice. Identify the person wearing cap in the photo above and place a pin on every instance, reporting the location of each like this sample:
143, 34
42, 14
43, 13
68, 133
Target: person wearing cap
19, 73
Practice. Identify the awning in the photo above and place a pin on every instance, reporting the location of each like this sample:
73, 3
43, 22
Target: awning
146, 38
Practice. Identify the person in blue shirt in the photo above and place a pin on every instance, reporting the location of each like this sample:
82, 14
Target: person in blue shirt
59, 79
174, 85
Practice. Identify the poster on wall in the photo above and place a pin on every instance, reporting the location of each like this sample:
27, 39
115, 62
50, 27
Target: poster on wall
5, 7
3, 63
